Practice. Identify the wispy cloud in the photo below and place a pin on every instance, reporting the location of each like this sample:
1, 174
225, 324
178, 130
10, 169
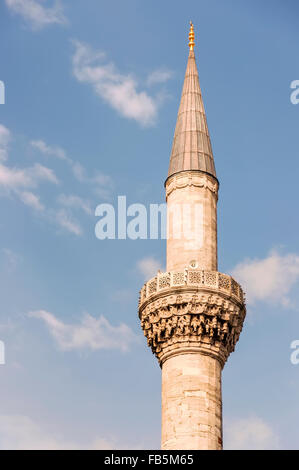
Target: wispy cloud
17, 181
36, 13
91, 333
270, 279
66, 221
15, 178
12, 259
148, 267
20, 432
75, 202
159, 76
24, 184
251, 433
100, 183
4, 142
31, 200
20, 182
48, 150
120, 91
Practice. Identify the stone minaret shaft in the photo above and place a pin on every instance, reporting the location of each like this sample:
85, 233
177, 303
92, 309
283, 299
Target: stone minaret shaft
192, 315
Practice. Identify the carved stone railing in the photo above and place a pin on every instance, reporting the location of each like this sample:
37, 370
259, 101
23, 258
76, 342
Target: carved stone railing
193, 278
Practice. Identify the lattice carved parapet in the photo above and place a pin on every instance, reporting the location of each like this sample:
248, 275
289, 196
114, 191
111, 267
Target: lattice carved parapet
180, 315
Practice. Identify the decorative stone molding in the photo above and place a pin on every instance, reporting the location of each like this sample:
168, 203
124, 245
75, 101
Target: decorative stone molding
195, 278
192, 178
192, 311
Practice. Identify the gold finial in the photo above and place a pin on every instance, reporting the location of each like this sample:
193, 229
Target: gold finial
191, 37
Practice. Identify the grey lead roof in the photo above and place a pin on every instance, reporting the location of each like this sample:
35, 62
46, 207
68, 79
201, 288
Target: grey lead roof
191, 149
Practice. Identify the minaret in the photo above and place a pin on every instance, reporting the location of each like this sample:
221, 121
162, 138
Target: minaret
192, 315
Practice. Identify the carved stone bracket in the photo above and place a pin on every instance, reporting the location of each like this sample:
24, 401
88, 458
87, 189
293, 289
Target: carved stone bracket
194, 318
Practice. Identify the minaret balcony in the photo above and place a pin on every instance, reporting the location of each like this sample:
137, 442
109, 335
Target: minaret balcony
192, 311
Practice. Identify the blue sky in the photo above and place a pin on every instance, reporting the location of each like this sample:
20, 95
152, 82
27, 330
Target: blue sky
92, 93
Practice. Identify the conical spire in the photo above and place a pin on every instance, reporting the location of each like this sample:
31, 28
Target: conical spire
191, 149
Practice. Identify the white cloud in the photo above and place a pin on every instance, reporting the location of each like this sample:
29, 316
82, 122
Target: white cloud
251, 433
91, 333
270, 279
48, 150
79, 172
66, 221
12, 259
19, 432
101, 184
31, 200
159, 76
119, 91
18, 180
98, 178
148, 267
15, 178
36, 13
4, 141
39, 172
76, 202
